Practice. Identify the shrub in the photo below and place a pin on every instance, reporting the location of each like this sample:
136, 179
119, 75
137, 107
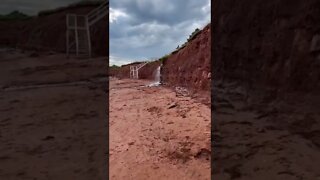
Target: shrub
114, 66
193, 34
164, 58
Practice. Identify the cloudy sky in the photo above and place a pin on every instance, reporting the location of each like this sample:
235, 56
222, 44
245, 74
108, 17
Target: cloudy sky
148, 29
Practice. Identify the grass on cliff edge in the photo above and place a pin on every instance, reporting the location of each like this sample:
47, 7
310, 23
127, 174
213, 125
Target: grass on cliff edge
114, 66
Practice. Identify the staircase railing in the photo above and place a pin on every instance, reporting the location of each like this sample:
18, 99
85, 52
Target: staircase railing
73, 25
141, 65
98, 13
134, 70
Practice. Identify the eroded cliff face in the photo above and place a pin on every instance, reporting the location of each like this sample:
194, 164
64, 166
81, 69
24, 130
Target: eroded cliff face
190, 66
271, 44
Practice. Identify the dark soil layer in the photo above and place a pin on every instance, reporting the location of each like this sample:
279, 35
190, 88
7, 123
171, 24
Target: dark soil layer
190, 66
48, 32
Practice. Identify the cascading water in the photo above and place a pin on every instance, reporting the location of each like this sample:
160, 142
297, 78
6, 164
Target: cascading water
156, 77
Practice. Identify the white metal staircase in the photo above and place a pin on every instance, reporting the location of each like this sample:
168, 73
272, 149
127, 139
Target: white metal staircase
78, 38
134, 70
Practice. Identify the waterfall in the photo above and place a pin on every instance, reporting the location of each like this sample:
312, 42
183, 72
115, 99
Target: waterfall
156, 77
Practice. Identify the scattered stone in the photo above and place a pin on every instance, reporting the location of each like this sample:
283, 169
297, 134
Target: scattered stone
203, 153
48, 138
131, 143
172, 105
155, 167
21, 173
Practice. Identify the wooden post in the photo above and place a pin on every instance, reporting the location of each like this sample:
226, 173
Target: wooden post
130, 71
137, 73
88, 34
76, 34
67, 35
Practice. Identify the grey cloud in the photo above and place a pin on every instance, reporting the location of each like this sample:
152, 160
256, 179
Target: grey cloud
154, 28
164, 11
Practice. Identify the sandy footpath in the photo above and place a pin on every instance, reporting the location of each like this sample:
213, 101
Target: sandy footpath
157, 133
52, 117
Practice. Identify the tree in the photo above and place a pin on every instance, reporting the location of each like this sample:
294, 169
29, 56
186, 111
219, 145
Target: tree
114, 66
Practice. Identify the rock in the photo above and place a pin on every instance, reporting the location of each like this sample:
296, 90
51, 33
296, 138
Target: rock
172, 105
131, 143
48, 138
204, 74
203, 153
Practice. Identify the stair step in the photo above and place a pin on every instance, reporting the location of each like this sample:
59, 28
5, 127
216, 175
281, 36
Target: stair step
84, 31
